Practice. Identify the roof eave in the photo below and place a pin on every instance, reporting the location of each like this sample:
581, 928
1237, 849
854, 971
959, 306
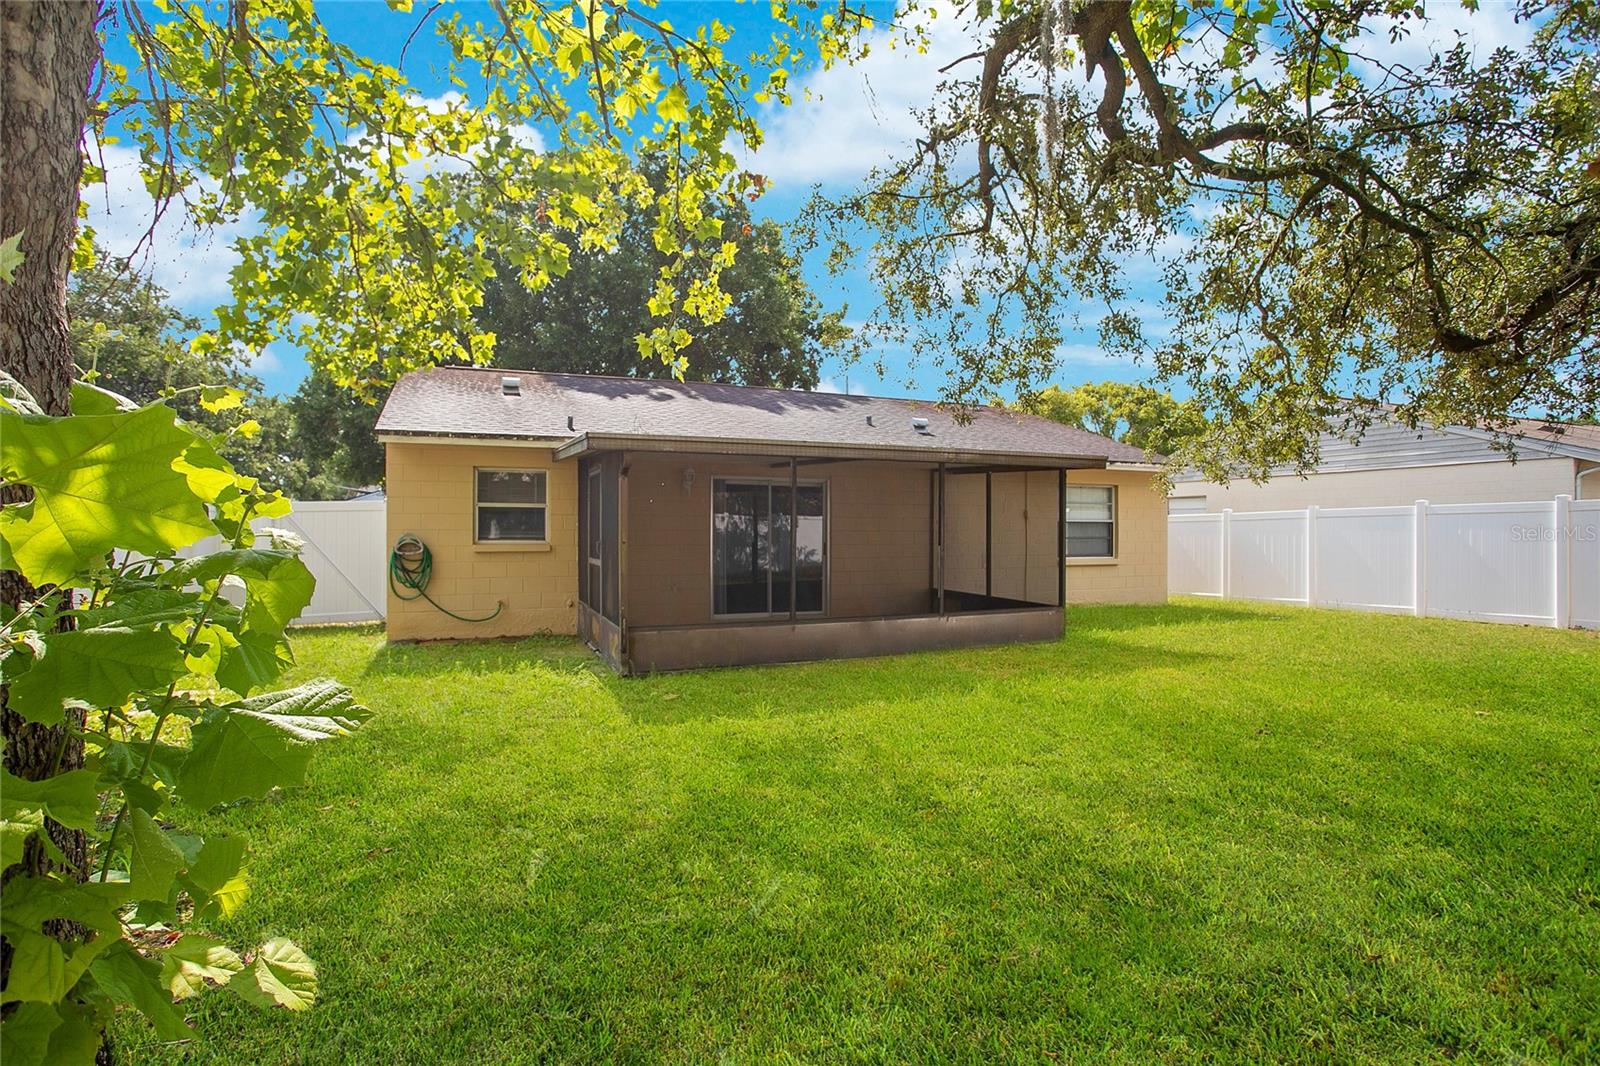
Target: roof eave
590, 443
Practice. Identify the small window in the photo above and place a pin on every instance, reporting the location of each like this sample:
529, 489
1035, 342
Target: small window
1091, 521
511, 505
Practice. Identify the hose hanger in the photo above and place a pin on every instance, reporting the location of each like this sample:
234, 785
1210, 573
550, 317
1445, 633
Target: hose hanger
411, 567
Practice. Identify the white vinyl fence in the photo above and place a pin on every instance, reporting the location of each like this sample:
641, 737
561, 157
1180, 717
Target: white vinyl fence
1534, 563
345, 549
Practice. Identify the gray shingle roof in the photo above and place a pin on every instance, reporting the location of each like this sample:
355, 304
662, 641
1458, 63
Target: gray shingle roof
469, 402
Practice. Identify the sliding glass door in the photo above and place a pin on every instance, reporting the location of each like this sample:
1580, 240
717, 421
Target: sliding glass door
750, 547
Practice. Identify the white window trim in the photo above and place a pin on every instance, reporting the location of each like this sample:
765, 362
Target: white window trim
478, 505
1115, 526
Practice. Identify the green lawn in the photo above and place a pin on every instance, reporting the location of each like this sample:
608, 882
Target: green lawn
1191, 832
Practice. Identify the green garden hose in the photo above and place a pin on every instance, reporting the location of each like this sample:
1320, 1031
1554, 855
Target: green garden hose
411, 565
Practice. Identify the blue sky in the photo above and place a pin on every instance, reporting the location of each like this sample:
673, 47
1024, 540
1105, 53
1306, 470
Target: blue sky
843, 122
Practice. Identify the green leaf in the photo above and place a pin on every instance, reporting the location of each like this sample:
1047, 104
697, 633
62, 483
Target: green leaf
15, 829
77, 1042
154, 859
71, 798
674, 106
128, 977
25, 1035
100, 482
216, 398
38, 968
251, 660
90, 399
277, 584
245, 749
102, 667
280, 976
188, 964
216, 879
11, 257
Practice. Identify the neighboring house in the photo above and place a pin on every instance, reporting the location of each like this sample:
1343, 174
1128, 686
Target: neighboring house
654, 518
1392, 465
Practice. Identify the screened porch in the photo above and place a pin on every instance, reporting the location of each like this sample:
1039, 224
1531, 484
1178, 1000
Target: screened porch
707, 559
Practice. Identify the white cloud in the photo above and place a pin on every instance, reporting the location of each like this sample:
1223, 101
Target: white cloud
263, 360
190, 263
850, 388
853, 117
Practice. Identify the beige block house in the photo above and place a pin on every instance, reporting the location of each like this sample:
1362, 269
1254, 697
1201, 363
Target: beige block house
676, 525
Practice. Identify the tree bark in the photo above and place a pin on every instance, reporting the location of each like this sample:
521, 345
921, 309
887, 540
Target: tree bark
48, 53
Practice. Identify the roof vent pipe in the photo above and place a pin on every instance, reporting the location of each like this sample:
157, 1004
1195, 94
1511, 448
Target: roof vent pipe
869, 420
570, 427
511, 386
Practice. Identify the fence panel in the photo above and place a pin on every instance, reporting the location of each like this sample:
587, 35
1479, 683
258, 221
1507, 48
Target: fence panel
345, 550
1583, 547
1365, 558
1194, 554
1492, 561
1533, 563
1267, 556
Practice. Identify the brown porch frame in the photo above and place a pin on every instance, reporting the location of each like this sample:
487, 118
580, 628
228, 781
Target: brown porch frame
974, 620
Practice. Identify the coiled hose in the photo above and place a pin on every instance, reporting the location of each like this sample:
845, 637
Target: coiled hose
411, 565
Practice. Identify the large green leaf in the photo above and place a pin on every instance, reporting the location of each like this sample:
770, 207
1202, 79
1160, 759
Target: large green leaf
251, 659
187, 965
277, 584
128, 977
216, 879
15, 829
100, 482
154, 860
42, 967
280, 976
71, 798
101, 667
25, 1035
244, 749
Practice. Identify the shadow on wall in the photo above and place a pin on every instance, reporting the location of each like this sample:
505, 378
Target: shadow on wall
804, 689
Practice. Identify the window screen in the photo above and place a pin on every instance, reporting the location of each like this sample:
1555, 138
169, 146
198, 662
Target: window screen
1091, 521
511, 505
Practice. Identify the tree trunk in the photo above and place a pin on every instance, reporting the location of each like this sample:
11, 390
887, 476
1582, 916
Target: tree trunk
48, 53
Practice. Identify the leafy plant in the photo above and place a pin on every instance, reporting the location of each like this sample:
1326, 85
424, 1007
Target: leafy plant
164, 662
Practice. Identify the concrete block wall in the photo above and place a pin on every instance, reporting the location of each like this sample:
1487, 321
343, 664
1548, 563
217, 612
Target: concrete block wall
430, 493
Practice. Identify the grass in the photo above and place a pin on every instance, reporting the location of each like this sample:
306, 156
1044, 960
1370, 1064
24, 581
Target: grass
1189, 832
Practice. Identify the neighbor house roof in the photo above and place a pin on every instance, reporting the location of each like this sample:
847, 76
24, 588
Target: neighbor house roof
580, 413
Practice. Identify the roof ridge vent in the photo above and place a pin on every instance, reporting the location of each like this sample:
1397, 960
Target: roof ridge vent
511, 386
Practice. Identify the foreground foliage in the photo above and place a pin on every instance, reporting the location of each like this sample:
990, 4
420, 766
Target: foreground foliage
1191, 833
160, 666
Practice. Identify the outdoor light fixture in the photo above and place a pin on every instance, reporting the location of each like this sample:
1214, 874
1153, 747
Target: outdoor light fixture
688, 479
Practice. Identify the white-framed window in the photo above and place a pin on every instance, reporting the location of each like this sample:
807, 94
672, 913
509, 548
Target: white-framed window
1091, 521
510, 505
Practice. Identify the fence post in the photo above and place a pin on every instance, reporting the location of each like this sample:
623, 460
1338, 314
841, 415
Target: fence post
1419, 560
1562, 511
1227, 540
1311, 555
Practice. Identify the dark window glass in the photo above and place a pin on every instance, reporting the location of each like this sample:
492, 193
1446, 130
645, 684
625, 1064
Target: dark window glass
511, 523
750, 546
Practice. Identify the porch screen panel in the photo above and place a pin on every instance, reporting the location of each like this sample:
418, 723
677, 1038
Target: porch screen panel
610, 476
